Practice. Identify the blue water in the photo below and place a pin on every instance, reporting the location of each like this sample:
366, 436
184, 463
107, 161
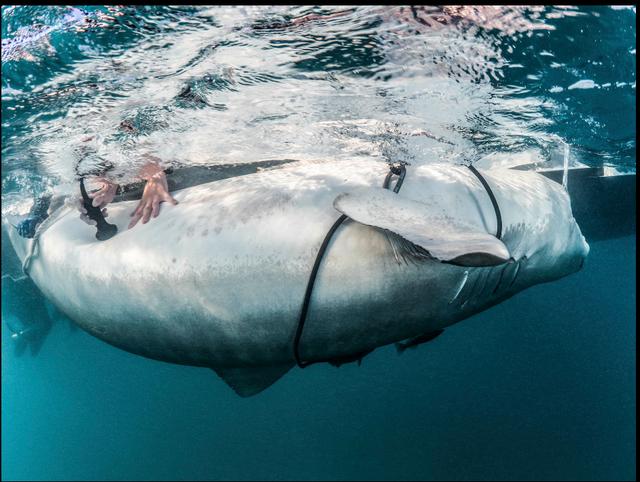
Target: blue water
541, 386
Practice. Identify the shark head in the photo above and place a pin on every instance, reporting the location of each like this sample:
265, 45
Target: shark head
550, 245
580, 246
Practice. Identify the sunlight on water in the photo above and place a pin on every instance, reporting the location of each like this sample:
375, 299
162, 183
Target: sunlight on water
84, 88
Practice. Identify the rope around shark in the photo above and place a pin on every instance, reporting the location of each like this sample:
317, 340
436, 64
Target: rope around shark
399, 169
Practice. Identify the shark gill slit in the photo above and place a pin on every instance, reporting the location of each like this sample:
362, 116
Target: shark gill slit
471, 291
460, 286
515, 274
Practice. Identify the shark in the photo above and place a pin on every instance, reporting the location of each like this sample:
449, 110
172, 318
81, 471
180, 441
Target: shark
219, 280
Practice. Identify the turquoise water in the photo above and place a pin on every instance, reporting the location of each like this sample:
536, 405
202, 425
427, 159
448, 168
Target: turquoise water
540, 387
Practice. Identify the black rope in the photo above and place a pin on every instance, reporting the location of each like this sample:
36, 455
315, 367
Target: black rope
307, 295
399, 170
492, 197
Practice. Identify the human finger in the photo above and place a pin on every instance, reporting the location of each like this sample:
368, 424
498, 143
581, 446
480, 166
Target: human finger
98, 188
135, 219
146, 214
100, 197
156, 208
110, 193
169, 198
137, 210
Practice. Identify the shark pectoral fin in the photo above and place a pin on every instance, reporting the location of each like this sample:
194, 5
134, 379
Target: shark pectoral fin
434, 234
248, 381
479, 259
418, 340
356, 357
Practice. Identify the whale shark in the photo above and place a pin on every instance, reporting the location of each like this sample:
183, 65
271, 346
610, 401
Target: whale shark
219, 279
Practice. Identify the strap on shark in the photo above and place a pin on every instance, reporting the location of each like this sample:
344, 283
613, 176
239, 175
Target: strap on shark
490, 249
492, 197
398, 169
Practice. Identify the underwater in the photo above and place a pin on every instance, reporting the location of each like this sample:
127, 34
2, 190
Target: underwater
318, 242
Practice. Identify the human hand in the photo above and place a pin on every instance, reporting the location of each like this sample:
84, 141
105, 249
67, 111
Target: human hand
100, 198
155, 192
